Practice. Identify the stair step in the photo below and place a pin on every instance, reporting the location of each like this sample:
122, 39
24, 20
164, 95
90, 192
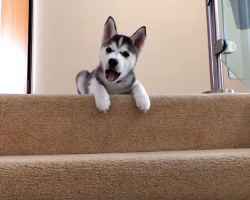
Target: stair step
71, 124
196, 175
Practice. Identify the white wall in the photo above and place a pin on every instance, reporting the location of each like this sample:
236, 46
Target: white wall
0, 14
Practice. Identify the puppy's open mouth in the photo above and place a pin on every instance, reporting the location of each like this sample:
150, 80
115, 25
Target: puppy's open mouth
111, 75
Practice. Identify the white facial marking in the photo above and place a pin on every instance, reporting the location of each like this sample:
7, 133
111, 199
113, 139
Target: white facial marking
120, 42
125, 64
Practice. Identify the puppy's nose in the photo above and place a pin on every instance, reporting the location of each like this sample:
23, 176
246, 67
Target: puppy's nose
113, 62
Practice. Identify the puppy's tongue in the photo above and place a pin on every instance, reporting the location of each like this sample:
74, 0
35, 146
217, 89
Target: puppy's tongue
111, 75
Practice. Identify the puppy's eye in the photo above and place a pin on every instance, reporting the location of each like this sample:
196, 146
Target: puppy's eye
108, 50
125, 54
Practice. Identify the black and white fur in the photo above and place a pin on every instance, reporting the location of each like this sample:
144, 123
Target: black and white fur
115, 73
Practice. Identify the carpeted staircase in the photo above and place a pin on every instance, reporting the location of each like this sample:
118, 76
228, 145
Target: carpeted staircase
193, 147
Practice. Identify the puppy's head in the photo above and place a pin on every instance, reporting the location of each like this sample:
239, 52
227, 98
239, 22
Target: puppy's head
119, 53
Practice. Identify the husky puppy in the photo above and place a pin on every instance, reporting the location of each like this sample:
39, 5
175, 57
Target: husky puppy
115, 73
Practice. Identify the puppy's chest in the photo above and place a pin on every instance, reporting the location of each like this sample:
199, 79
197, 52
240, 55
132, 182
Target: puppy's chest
118, 88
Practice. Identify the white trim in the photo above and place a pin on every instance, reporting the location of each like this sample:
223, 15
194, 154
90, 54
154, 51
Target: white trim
34, 47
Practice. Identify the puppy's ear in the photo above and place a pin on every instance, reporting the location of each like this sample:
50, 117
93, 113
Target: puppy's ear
109, 29
139, 37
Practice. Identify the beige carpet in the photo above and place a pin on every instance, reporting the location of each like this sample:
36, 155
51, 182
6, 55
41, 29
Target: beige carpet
194, 175
71, 124
143, 156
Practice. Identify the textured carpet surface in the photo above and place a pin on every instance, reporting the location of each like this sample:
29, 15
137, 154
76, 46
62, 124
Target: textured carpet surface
186, 147
34, 124
194, 175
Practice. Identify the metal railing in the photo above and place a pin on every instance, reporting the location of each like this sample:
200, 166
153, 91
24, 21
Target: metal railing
216, 46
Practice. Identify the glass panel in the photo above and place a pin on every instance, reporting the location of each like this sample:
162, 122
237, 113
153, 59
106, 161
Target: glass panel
236, 27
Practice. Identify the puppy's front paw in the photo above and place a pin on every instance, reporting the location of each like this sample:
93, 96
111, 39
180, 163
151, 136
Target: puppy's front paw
142, 102
102, 103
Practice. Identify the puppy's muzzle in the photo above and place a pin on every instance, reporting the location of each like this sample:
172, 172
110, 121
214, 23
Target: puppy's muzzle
113, 63
111, 73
